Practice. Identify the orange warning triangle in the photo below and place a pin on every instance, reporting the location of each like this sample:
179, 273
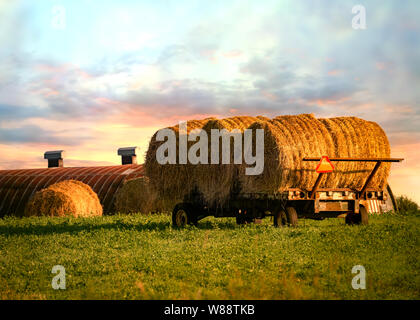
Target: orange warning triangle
324, 165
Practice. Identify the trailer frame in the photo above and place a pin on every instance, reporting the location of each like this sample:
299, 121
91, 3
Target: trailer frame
287, 206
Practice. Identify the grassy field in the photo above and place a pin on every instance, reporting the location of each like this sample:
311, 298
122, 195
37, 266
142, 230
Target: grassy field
143, 257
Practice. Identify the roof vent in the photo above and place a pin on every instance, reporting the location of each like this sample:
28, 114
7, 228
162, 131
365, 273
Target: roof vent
128, 155
55, 158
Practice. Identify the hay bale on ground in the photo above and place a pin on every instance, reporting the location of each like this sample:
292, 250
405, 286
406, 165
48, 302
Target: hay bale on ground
288, 139
65, 198
137, 195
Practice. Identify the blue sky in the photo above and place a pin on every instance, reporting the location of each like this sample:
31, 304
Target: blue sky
119, 70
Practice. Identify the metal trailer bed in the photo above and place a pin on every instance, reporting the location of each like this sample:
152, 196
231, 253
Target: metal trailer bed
286, 207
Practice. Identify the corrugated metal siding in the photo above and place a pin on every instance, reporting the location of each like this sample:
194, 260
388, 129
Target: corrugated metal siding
17, 186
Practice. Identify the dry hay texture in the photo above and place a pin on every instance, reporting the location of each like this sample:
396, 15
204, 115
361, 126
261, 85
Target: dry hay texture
215, 181
171, 181
137, 195
65, 198
287, 139
354, 137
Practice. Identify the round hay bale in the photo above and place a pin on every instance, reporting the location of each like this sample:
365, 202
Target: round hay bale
215, 181
354, 137
288, 139
171, 181
65, 198
137, 195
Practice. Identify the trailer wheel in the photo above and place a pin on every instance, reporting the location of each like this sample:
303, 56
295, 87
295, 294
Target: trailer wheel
182, 215
241, 219
358, 218
280, 218
292, 218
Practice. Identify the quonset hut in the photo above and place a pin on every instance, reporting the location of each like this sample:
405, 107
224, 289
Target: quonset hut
17, 186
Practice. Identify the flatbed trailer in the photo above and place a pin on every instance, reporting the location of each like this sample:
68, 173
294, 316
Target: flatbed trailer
286, 207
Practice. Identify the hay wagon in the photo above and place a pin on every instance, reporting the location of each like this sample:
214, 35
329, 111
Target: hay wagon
286, 207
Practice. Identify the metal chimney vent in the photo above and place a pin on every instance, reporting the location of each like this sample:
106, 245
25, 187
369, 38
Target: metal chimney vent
128, 155
55, 158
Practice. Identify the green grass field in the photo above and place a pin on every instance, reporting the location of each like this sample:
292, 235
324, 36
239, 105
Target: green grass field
143, 257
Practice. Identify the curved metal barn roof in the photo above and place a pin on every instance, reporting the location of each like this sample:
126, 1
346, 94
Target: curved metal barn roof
17, 186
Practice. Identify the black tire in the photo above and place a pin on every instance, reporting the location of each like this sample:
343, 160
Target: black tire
183, 215
280, 218
292, 218
350, 218
358, 218
240, 219
243, 218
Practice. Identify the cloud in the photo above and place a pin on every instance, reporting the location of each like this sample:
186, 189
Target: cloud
91, 96
9, 112
35, 134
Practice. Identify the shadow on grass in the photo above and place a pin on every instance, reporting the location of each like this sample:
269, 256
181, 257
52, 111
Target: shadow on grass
74, 228
221, 224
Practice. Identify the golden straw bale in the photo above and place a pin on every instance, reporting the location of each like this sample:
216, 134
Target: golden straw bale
354, 137
215, 181
65, 198
137, 195
336, 178
288, 139
170, 181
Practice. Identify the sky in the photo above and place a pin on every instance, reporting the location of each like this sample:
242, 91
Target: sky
91, 76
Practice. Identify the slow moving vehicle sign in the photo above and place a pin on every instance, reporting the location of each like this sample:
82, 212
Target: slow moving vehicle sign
324, 165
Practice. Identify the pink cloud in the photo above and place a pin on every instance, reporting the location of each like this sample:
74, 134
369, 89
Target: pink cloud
399, 109
232, 54
269, 95
380, 65
138, 115
334, 72
404, 176
209, 54
328, 101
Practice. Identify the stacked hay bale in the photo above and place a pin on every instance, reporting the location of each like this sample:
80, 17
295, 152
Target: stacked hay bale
137, 195
171, 181
287, 140
354, 137
65, 198
215, 181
